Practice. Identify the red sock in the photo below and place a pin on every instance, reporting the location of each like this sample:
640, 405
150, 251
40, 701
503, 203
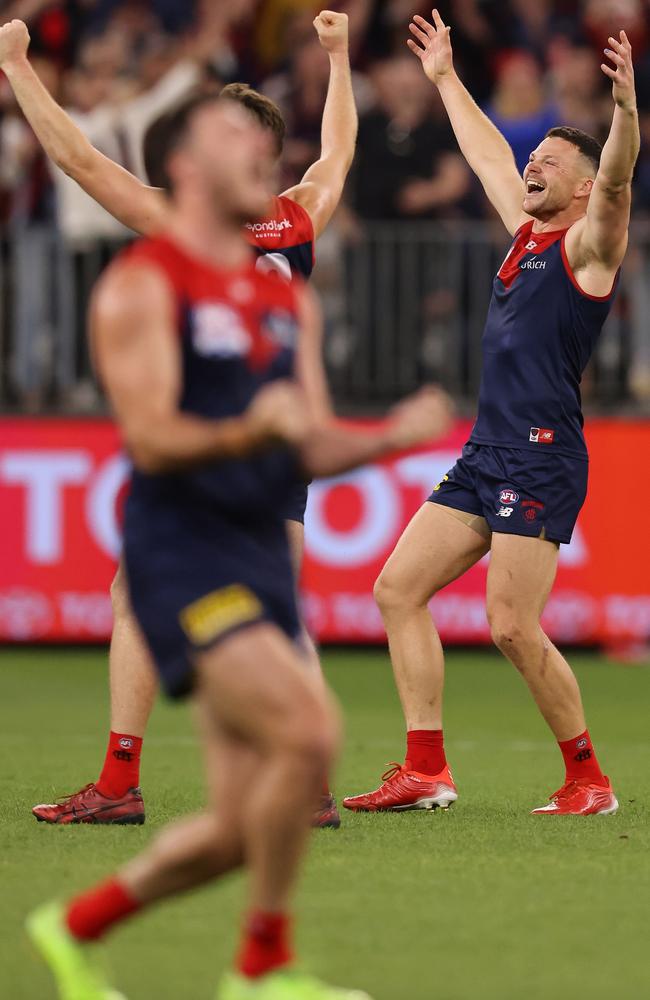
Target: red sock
121, 770
580, 759
265, 945
90, 915
425, 750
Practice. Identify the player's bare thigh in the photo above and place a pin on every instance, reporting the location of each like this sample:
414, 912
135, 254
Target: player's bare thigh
520, 578
437, 546
259, 693
296, 535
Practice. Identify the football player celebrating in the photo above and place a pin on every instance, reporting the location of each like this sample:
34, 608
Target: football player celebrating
285, 241
210, 365
518, 487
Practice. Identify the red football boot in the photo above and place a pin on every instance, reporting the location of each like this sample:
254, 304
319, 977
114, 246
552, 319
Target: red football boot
405, 789
90, 806
327, 815
580, 798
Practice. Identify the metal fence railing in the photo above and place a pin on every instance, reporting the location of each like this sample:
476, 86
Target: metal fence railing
404, 303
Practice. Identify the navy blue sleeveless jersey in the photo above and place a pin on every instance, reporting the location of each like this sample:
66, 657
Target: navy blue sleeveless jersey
540, 332
238, 332
284, 240
206, 550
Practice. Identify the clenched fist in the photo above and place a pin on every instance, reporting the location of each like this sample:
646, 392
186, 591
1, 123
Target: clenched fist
423, 416
332, 30
14, 42
278, 413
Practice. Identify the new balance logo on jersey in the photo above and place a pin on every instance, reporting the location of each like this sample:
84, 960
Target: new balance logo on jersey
531, 245
533, 265
541, 435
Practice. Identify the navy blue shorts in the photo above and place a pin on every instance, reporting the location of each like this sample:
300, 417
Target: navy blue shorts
196, 577
296, 505
516, 490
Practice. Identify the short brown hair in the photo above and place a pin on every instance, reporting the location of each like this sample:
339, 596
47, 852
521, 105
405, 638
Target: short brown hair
588, 146
265, 110
166, 132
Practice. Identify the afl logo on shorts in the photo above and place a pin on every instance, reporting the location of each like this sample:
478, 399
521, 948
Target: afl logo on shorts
508, 496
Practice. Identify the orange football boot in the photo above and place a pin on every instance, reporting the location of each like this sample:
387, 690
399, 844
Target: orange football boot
403, 789
580, 798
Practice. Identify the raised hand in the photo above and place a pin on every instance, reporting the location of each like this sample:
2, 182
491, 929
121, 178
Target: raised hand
14, 42
622, 75
434, 50
332, 30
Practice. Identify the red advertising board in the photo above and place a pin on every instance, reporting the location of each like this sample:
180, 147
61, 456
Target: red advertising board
60, 487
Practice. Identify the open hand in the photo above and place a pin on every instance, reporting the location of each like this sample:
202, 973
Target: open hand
332, 30
434, 50
14, 42
622, 75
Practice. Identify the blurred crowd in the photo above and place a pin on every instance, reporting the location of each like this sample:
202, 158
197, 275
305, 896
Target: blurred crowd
115, 65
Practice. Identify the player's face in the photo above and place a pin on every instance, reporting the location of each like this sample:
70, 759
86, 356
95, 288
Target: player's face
233, 159
554, 175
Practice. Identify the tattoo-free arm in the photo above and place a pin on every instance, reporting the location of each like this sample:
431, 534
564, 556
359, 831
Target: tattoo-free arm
485, 149
321, 188
137, 206
333, 446
604, 234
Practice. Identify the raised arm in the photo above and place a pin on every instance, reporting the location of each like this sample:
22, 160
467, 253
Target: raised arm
596, 246
137, 206
321, 188
333, 446
481, 143
137, 353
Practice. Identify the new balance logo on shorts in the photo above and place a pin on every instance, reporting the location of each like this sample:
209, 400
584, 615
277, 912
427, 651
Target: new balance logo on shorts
541, 435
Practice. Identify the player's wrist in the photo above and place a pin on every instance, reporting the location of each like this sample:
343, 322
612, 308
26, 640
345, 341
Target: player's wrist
14, 64
340, 56
446, 80
627, 104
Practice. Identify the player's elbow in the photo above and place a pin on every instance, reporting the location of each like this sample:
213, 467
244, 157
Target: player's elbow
147, 453
75, 163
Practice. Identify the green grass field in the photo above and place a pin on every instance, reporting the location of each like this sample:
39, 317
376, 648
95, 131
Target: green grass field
481, 903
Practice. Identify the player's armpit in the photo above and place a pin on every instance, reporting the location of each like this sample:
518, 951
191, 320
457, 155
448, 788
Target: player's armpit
319, 192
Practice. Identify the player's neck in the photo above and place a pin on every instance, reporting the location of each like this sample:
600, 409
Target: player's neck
208, 235
560, 220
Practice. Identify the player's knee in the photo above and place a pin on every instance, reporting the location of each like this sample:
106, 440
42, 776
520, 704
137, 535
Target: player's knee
510, 633
315, 738
388, 594
224, 849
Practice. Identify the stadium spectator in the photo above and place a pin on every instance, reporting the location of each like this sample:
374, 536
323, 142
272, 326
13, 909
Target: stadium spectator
529, 65
520, 107
408, 164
